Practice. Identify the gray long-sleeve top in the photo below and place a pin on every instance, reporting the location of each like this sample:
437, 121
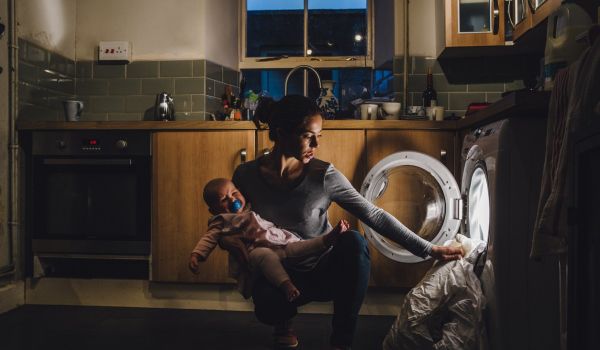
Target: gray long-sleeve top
303, 209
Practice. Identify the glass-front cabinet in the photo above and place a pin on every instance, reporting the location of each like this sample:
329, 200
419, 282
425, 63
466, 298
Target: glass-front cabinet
526, 14
474, 23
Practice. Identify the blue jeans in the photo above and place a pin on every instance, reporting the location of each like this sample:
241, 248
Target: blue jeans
341, 276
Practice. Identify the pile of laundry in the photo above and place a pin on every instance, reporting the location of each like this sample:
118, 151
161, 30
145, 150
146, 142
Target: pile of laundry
445, 310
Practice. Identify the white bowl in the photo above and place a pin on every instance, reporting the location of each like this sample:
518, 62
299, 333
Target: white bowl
391, 108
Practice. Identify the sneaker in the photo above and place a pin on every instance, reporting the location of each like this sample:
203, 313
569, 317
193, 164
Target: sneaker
284, 337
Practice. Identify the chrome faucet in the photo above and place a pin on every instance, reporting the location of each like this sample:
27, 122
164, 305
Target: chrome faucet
305, 90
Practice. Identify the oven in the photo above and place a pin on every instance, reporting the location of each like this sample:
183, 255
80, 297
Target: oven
89, 200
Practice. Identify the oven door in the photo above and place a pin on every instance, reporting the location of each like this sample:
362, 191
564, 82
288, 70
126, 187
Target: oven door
91, 205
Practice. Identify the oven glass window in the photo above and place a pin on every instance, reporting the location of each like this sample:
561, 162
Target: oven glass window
92, 202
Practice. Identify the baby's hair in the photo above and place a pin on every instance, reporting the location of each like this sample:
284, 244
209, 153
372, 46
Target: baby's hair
210, 189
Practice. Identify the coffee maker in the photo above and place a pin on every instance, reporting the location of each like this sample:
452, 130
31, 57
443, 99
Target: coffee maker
164, 108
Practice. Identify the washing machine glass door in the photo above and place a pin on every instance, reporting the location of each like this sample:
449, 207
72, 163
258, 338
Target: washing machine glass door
421, 193
475, 189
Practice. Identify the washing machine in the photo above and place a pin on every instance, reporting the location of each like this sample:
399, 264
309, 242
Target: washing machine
496, 202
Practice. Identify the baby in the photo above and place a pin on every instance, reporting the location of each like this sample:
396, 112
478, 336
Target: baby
262, 245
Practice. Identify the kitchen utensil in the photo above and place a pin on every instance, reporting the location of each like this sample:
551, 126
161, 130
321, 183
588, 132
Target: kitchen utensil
73, 109
164, 108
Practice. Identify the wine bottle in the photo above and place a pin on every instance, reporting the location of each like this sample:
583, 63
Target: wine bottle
429, 94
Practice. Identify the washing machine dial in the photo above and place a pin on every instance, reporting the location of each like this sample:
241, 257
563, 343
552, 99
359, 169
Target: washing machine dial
121, 144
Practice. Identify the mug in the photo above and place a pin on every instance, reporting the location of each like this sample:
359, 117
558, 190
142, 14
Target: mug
368, 111
438, 113
73, 110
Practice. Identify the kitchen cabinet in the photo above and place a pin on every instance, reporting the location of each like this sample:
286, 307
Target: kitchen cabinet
529, 13
381, 143
183, 162
474, 23
345, 149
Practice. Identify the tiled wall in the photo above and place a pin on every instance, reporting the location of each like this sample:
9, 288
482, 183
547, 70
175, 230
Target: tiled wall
118, 92
45, 80
454, 97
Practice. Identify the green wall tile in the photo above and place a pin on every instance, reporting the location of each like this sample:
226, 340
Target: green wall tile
231, 77
124, 116
36, 55
61, 64
106, 104
417, 82
91, 87
440, 83
124, 86
460, 101
139, 103
143, 69
156, 86
183, 103
28, 73
191, 116
210, 87
108, 71
189, 86
66, 86
92, 117
83, 69
198, 67
176, 68
493, 96
198, 104
34, 112
214, 71
213, 105
498, 87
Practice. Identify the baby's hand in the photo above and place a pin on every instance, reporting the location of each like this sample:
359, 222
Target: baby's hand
194, 263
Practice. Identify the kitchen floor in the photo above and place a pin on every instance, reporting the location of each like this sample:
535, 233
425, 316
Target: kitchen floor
85, 328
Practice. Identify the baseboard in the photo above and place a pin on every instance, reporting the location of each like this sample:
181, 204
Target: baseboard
139, 293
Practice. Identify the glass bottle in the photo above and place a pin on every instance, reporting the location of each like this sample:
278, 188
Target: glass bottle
429, 95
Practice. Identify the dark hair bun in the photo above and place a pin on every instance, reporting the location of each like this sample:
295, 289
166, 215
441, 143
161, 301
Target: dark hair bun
264, 109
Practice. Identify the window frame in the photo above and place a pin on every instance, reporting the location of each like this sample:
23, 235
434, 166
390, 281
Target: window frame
363, 61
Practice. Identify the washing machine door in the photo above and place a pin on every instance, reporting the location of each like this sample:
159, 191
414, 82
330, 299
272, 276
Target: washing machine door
421, 193
475, 191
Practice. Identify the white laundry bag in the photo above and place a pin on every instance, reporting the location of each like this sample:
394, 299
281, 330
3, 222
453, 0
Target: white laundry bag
445, 310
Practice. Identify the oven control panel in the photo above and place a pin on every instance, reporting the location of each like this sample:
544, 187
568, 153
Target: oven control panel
84, 142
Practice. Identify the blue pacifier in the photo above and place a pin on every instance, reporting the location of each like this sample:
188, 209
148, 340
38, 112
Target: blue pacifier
235, 206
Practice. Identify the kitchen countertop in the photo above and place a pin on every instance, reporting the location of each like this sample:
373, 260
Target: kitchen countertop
516, 104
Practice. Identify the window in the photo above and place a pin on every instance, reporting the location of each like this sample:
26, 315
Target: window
321, 33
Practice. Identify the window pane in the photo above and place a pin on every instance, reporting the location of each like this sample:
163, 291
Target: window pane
474, 16
350, 84
274, 28
337, 27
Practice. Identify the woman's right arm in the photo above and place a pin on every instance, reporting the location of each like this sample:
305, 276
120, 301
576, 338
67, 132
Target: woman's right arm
342, 192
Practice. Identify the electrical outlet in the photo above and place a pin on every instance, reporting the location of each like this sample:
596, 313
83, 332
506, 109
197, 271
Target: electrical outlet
114, 51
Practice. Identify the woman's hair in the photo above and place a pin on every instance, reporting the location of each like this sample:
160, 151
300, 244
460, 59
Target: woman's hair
287, 114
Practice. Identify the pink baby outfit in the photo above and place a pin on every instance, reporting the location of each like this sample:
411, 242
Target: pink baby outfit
250, 225
267, 246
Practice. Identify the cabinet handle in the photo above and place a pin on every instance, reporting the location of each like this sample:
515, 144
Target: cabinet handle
443, 154
243, 155
496, 13
266, 151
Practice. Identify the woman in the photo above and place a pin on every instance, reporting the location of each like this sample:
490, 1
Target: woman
292, 188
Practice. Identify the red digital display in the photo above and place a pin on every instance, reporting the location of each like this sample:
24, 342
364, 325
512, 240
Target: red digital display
91, 142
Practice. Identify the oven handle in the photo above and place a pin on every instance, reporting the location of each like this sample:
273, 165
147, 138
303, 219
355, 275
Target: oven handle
86, 161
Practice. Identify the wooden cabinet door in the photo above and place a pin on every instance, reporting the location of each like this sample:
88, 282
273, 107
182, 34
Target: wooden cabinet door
381, 143
455, 37
345, 149
182, 164
544, 10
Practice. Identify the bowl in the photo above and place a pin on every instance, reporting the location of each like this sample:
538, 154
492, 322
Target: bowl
391, 108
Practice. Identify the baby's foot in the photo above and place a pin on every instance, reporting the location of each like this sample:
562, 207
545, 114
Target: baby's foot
290, 290
333, 235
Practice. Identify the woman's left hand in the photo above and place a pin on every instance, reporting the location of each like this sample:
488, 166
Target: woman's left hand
444, 253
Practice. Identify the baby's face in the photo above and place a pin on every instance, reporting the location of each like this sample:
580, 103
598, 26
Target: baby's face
225, 195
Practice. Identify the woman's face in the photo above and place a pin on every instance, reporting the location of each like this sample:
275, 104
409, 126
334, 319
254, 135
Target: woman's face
302, 144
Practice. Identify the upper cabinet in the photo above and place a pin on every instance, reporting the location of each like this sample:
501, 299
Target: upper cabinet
527, 14
474, 23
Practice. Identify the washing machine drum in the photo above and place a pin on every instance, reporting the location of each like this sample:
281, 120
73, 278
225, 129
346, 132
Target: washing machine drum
421, 193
